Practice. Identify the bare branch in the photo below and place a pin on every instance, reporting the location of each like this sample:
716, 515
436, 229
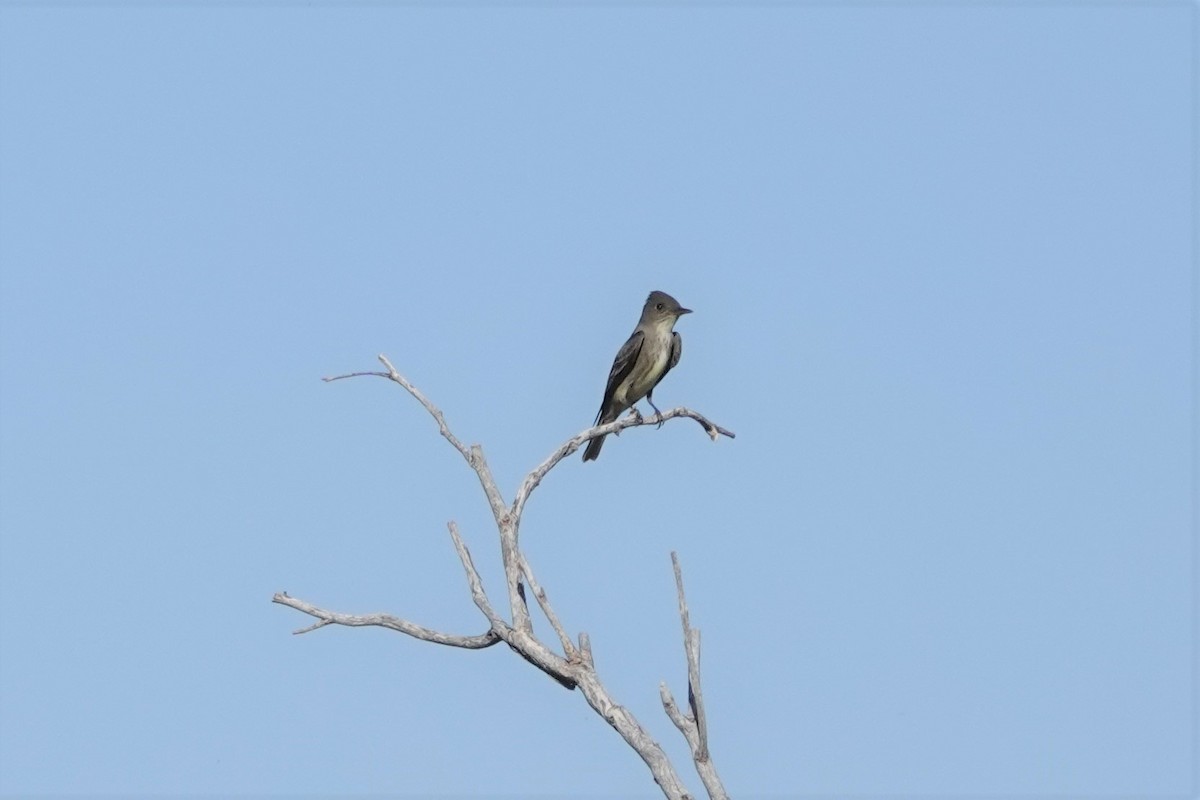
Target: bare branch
585, 651
312, 627
433, 410
509, 554
333, 378
467, 453
691, 644
384, 621
577, 669
475, 460
580, 439
544, 602
695, 701
693, 726
473, 454
632, 732
495, 499
520, 641
474, 581
681, 722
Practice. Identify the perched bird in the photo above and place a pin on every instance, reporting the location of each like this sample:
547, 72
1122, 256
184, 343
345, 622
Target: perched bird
643, 361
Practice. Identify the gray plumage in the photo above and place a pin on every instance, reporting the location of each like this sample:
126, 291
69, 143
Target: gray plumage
642, 362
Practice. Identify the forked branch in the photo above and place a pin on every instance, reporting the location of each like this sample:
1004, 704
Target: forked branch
693, 726
575, 668
383, 621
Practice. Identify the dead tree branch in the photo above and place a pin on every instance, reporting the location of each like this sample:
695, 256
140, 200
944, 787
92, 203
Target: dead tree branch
475, 460
383, 621
575, 668
693, 727
580, 439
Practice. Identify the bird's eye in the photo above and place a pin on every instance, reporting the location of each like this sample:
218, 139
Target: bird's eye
659, 306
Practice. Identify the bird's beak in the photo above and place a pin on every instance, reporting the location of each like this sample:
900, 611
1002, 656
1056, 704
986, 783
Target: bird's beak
683, 311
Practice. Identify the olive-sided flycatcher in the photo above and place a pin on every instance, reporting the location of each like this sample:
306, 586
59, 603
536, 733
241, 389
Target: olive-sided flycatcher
643, 361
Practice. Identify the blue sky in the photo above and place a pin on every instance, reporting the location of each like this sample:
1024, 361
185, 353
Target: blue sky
942, 260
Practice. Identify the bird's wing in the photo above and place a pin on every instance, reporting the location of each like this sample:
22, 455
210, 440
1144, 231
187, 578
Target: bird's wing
676, 351
627, 356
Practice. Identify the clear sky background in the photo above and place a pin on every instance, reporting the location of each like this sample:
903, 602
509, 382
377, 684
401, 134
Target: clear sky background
941, 259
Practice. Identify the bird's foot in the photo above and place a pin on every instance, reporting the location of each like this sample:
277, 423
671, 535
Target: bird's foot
657, 414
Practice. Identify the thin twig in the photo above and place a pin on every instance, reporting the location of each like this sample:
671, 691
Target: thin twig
383, 621
333, 378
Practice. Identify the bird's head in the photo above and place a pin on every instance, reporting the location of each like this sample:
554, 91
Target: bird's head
661, 306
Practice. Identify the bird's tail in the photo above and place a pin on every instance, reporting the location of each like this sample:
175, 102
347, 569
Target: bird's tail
593, 449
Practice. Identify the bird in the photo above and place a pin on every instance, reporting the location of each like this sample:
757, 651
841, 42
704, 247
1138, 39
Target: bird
642, 362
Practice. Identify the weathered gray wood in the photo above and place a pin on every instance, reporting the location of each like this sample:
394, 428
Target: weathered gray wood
576, 668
